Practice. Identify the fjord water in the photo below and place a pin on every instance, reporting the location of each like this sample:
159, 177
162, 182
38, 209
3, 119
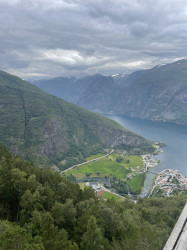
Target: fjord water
174, 136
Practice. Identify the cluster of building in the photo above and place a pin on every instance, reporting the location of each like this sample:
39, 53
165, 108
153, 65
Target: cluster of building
169, 180
148, 162
94, 185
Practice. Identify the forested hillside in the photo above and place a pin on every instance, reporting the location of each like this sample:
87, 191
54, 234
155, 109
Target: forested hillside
39, 209
49, 131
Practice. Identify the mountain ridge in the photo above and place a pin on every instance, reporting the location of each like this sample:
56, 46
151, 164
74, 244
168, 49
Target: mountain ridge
159, 93
45, 129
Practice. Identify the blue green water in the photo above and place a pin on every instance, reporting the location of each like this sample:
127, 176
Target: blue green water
174, 136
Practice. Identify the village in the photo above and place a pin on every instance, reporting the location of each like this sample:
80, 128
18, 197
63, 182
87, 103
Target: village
148, 162
168, 181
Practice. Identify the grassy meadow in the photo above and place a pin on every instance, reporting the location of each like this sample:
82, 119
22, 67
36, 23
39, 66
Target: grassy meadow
107, 195
135, 184
112, 166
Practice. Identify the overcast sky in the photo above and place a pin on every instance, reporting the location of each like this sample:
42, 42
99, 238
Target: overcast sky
47, 38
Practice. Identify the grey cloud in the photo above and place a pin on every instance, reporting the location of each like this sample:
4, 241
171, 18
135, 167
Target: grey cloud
75, 37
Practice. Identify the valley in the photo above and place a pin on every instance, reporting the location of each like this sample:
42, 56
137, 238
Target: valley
93, 125
44, 135
118, 172
174, 136
54, 133
40, 209
158, 94
173, 155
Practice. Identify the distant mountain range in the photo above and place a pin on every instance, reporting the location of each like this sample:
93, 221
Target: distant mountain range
97, 93
157, 94
50, 131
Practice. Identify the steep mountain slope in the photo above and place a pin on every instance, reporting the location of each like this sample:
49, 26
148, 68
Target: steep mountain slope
67, 88
59, 86
157, 94
100, 95
120, 79
96, 92
45, 129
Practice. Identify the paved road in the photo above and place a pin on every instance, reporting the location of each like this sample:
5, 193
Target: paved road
96, 159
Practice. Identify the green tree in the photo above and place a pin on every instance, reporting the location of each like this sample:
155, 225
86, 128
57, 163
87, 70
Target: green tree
67, 216
93, 238
16, 238
29, 203
57, 212
53, 238
112, 223
18, 183
49, 197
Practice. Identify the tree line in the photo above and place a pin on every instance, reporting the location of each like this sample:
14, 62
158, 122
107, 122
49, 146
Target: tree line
40, 209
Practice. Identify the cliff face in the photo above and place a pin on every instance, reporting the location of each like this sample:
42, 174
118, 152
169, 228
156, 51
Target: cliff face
158, 94
100, 95
48, 130
96, 92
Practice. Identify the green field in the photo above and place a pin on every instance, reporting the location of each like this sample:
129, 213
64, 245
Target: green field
108, 167
108, 195
135, 184
128, 160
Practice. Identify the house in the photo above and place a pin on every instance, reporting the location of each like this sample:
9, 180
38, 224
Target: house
94, 185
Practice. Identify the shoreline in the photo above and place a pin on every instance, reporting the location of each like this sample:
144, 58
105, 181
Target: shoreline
169, 180
136, 117
150, 170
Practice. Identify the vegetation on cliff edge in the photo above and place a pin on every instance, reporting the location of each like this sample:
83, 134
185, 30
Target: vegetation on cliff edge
39, 209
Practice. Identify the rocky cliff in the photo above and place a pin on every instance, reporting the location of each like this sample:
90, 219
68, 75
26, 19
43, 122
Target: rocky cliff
157, 94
